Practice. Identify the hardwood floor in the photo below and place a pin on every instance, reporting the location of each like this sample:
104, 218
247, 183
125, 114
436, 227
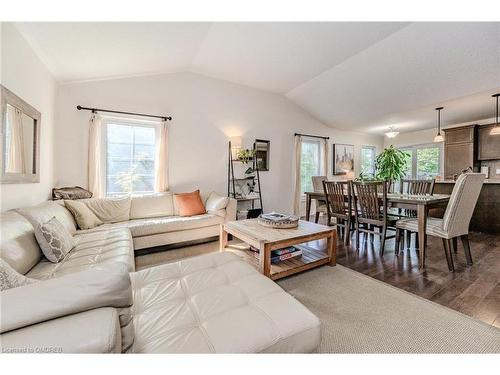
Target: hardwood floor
474, 291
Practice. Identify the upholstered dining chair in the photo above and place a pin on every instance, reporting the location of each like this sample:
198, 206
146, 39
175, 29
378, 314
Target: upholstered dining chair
339, 206
371, 210
317, 182
456, 219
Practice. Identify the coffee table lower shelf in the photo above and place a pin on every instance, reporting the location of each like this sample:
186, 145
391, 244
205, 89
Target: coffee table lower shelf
310, 258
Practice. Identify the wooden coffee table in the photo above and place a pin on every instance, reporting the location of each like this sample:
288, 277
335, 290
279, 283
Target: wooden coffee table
268, 239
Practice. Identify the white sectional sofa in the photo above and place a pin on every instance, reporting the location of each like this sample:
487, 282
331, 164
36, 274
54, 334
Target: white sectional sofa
154, 221
94, 301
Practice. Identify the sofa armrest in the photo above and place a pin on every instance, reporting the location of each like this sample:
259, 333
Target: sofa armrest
231, 210
94, 331
65, 295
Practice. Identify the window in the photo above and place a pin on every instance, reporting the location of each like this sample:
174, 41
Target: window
130, 156
368, 161
310, 163
428, 162
424, 161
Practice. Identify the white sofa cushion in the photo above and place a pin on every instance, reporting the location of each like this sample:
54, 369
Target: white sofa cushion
18, 243
93, 248
217, 303
167, 224
109, 210
152, 205
45, 211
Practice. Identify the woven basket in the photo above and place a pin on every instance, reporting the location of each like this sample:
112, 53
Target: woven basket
287, 224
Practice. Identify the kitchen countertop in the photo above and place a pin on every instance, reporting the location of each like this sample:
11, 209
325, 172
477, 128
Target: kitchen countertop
487, 181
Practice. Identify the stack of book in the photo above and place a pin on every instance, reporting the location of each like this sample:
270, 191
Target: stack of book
284, 254
281, 254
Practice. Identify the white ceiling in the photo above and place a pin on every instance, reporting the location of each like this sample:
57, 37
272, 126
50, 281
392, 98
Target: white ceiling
360, 76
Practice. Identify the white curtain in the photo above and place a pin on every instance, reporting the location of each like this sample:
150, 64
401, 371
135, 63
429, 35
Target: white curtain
324, 150
15, 147
161, 159
95, 170
296, 189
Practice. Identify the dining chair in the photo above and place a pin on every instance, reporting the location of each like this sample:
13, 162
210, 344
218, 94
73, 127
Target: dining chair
414, 187
456, 219
371, 210
317, 182
339, 206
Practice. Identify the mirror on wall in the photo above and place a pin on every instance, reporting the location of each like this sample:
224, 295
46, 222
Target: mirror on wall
262, 154
20, 140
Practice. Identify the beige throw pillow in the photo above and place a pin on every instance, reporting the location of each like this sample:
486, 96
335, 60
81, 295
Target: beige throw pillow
10, 278
84, 217
54, 240
109, 210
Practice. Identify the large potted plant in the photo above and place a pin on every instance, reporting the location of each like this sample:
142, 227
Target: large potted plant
391, 165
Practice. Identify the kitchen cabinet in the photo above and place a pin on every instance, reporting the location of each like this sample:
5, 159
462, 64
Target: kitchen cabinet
488, 145
460, 150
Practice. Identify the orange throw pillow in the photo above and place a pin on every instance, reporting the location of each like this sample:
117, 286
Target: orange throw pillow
189, 204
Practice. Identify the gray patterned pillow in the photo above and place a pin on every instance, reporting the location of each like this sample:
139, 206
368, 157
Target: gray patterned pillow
54, 240
10, 278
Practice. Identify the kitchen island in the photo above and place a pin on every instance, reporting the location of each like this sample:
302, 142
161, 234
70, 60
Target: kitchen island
486, 217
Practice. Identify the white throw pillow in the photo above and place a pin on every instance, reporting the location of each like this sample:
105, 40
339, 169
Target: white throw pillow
109, 210
215, 202
54, 240
152, 205
10, 278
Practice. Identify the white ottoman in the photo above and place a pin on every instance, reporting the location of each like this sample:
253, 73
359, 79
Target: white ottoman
217, 303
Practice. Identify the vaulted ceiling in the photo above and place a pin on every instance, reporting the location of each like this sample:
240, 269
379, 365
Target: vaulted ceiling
351, 75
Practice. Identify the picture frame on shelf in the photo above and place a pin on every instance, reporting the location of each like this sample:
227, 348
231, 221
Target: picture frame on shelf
343, 158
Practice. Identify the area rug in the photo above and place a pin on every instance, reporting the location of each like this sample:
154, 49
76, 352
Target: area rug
359, 314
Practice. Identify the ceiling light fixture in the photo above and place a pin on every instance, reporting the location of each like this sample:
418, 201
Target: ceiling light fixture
439, 137
496, 129
392, 133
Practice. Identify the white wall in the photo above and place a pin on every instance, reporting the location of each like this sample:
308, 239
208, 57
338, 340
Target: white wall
25, 75
205, 113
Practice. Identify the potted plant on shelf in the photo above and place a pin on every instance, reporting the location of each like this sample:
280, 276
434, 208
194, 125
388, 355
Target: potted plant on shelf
245, 155
391, 165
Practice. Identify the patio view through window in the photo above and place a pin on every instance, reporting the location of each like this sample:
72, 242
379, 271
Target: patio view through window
130, 158
423, 161
310, 164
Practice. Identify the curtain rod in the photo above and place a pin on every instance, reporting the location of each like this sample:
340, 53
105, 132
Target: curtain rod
79, 107
312, 136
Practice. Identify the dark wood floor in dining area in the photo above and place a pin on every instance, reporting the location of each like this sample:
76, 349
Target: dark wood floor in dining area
474, 291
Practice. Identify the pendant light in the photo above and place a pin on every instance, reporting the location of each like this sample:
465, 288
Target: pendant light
392, 133
496, 129
439, 137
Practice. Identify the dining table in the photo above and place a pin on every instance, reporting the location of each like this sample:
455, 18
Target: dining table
419, 203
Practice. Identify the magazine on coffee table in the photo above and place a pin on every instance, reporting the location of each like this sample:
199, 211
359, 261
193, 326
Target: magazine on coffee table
277, 217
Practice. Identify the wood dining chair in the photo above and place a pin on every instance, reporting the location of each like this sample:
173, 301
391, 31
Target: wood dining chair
371, 210
413, 187
456, 219
317, 182
339, 207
